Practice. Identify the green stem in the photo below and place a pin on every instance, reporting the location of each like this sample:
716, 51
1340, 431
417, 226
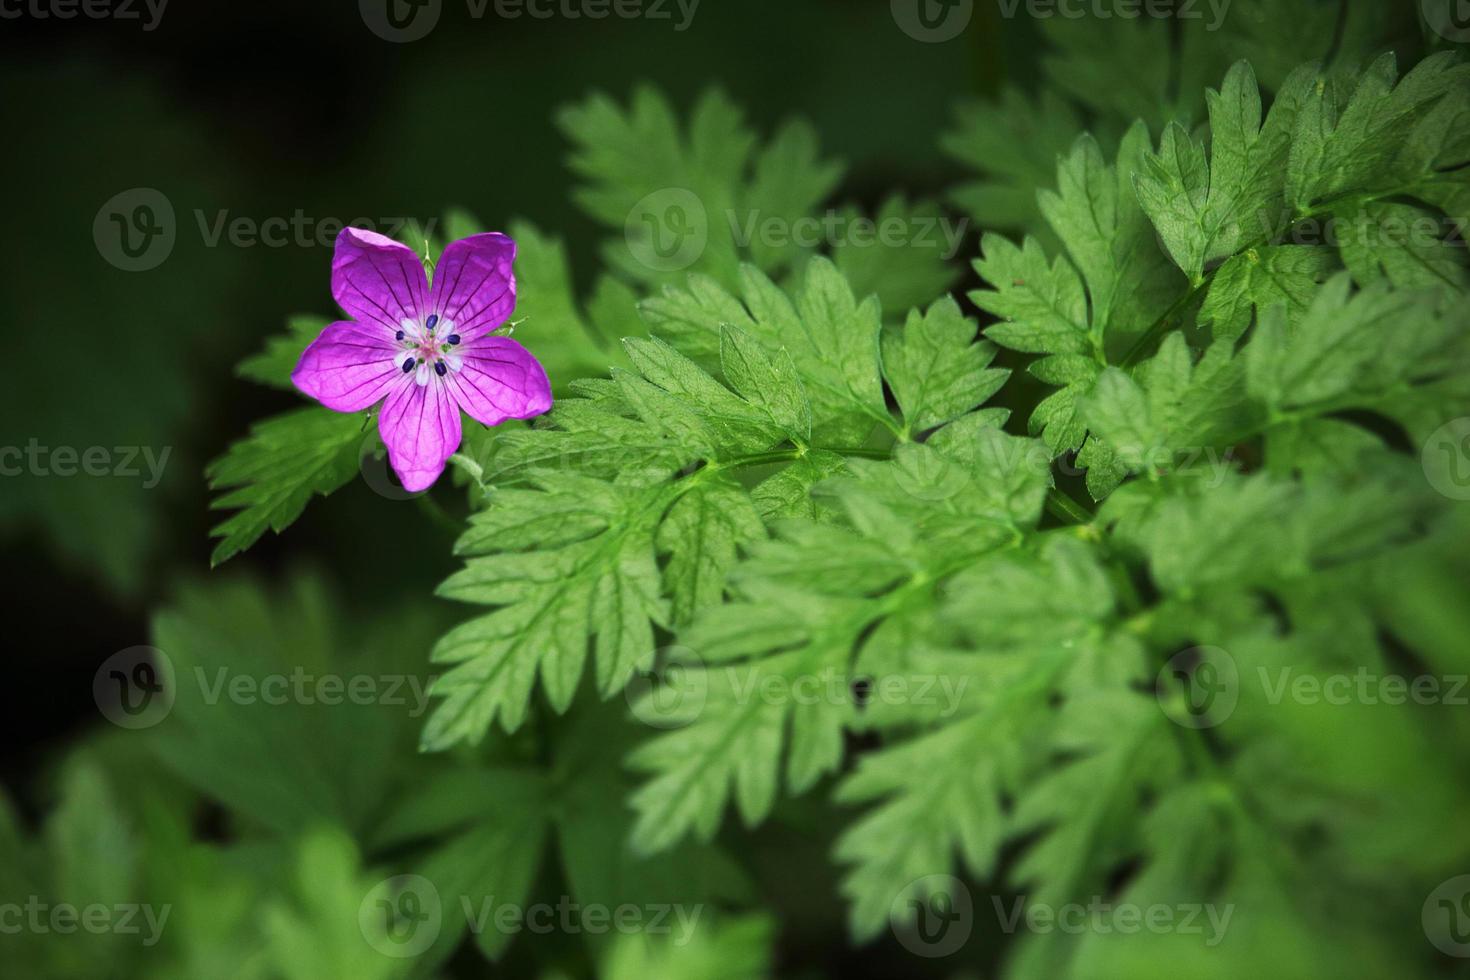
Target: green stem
438, 514
1065, 509
1164, 324
791, 455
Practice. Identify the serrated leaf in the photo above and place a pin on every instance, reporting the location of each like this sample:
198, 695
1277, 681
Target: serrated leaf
270, 476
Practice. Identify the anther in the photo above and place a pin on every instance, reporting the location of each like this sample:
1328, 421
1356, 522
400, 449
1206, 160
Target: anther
440, 369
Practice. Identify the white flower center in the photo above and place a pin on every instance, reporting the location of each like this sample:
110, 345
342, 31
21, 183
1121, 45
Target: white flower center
427, 349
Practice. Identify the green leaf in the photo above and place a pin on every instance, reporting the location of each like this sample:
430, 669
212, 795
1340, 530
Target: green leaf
1208, 211
1084, 312
1259, 278
936, 370
270, 476
597, 577
1344, 353
745, 714
1368, 131
1407, 245
1014, 143
273, 366
831, 337
1173, 410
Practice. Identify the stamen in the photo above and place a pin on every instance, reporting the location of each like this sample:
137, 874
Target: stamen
400, 335
408, 365
432, 321
453, 338
440, 369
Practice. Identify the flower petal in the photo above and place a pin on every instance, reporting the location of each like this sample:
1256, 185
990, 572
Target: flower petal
474, 286
376, 280
499, 380
420, 427
349, 367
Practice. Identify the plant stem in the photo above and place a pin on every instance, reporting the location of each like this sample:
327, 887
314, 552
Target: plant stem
1065, 509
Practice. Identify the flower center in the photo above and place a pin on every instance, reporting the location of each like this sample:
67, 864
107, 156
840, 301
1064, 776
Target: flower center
427, 349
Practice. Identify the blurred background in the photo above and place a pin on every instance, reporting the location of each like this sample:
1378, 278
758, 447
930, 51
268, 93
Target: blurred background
238, 138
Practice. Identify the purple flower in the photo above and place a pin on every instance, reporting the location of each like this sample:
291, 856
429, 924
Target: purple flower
426, 352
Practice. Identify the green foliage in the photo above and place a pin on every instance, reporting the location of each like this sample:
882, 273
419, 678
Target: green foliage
626, 512
272, 475
1108, 67
714, 181
783, 556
